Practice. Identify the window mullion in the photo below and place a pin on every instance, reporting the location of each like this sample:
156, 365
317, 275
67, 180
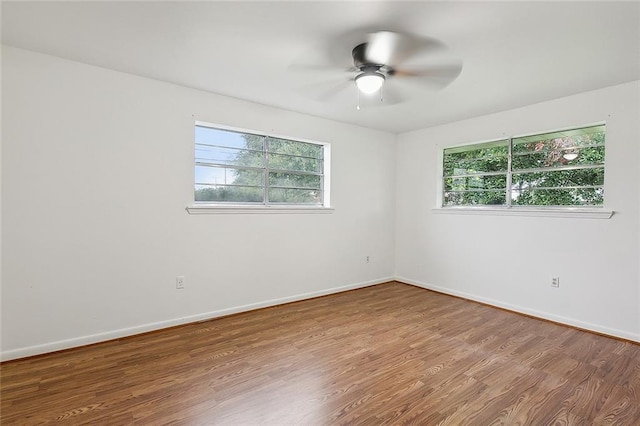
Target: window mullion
509, 179
265, 162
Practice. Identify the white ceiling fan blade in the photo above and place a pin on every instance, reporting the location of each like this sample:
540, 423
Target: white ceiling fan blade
326, 91
434, 76
381, 47
392, 48
392, 96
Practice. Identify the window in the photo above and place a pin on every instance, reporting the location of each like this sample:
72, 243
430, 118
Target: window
564, 168
233, 167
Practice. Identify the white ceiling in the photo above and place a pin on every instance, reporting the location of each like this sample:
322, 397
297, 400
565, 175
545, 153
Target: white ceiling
514, 53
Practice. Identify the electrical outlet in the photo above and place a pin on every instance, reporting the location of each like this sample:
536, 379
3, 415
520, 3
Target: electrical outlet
368, 259
180, 282
555, 282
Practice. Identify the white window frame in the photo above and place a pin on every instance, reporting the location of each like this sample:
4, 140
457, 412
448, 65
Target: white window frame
590, 212
257, 208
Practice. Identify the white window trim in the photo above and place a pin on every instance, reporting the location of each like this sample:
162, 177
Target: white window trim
197, 208
565, 212
531, 211
271, 209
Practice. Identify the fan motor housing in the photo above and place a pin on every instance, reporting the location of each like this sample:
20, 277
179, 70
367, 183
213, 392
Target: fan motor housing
360, 60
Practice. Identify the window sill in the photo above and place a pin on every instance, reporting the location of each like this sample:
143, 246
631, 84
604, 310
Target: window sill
240, 209
583, 213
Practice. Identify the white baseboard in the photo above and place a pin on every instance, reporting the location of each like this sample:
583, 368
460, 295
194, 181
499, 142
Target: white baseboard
130, 331
524, 310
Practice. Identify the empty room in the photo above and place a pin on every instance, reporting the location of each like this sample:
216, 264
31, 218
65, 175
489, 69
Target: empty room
320, 213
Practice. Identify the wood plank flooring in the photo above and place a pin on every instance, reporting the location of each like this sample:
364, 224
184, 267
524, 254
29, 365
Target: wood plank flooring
388, 354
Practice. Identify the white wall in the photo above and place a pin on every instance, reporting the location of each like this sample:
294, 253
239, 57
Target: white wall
509, 261
97, 169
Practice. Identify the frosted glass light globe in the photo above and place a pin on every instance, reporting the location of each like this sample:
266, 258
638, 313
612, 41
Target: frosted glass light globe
369, 82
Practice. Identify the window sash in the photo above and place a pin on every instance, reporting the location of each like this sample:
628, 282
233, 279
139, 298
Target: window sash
512, 173
302, 182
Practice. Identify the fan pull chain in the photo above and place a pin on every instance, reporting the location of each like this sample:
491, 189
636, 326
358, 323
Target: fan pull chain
358, 104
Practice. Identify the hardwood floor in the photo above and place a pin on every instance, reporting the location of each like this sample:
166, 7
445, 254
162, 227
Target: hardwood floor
388, 354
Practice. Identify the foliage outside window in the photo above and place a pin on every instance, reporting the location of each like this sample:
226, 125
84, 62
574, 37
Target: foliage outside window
564, 168
234, 167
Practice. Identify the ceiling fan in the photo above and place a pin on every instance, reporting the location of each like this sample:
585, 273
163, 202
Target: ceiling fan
381, 58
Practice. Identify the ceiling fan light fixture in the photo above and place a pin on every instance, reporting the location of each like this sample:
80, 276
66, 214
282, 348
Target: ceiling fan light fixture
369, 81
